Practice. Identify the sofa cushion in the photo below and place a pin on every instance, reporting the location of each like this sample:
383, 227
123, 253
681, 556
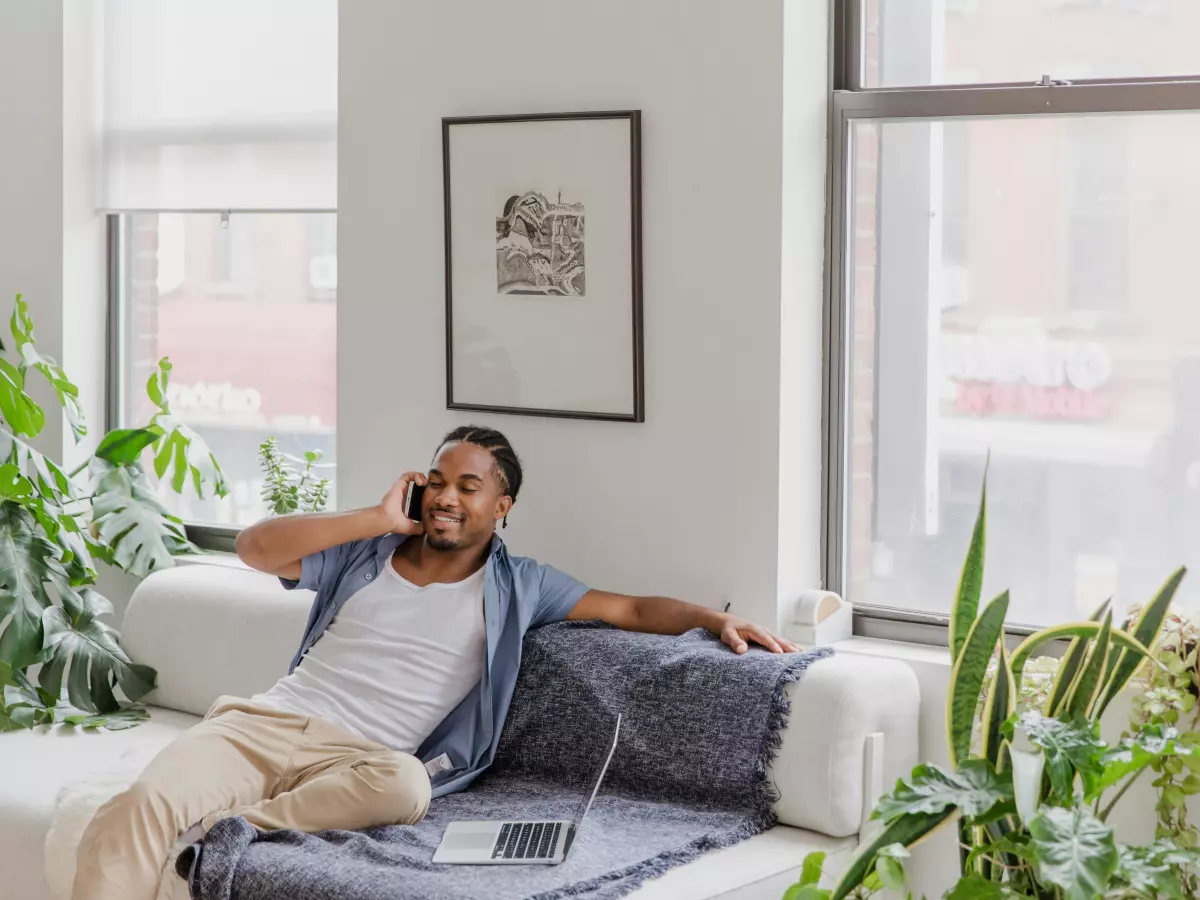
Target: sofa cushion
211, 630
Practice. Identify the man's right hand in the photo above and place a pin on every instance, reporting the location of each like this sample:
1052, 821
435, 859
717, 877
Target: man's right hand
393, 504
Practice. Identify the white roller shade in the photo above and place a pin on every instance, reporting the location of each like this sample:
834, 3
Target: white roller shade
218, 104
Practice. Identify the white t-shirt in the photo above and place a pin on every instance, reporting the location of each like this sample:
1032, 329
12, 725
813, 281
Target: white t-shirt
394, 662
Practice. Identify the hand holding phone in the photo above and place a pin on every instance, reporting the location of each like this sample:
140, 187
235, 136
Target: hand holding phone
399, 500
413, 501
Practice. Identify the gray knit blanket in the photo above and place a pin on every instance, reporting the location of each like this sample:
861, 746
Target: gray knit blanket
700, 728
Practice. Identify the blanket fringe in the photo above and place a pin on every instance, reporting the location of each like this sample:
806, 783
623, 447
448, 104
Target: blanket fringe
632, 877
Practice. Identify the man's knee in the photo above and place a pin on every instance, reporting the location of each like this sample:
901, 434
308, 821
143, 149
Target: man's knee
401, 789
139, 801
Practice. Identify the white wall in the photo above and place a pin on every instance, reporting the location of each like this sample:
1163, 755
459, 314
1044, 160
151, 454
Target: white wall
31, 174
51, 240
687, 503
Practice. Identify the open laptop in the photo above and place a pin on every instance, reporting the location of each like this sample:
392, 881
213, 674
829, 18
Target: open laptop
518, 843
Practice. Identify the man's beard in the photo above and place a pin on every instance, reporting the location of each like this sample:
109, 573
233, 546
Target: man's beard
441, 544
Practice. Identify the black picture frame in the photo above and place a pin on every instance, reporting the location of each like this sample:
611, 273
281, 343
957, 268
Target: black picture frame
633, 117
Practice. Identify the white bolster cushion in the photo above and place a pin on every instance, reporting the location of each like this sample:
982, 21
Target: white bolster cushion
836, 704
211, 630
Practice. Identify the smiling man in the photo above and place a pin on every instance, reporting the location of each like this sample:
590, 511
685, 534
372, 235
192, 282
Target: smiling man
402, 681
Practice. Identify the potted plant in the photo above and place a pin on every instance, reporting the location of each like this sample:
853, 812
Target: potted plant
1032, 798
286, 489
1167, 698
59, 660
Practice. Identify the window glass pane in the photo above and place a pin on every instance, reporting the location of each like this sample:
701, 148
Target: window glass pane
1025, 287
915, 42
246, 314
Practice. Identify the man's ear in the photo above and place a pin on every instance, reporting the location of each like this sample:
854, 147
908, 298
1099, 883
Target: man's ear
503, 507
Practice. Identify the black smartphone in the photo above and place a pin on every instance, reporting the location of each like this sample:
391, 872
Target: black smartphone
412, 501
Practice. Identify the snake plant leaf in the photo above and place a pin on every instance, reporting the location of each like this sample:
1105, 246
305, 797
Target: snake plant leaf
1001, 704
1032, 643
131, 521
968, 675
1083, 692
974, 789
27, 563
1075, 851
20, 411
970, 582
66, 391
1071, 661
906, 830
1145, 630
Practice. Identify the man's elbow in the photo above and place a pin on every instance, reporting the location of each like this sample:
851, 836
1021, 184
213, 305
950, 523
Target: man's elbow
248, 546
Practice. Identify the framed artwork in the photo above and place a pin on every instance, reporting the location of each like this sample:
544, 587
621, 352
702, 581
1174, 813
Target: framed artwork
544, 265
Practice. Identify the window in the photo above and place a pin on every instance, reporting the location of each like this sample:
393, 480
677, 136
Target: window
248, 365
922, 42
202, 108
1011, 274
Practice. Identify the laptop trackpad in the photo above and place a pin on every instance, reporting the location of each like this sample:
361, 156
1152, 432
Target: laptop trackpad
458, 837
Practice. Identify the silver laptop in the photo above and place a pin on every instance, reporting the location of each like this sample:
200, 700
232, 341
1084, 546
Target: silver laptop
518, 843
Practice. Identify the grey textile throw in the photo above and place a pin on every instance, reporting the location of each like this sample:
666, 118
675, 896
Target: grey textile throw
700, 727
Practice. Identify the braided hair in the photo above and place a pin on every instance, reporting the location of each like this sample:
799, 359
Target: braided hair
508, 464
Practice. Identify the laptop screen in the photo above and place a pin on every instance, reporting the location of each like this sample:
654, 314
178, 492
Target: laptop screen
586, 804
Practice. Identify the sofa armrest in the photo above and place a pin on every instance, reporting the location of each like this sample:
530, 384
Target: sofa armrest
853, 721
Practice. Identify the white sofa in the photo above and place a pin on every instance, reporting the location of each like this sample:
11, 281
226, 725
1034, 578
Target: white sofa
216, 629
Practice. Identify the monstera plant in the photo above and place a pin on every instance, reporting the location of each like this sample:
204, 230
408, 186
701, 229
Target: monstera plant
1030, 791
59, 661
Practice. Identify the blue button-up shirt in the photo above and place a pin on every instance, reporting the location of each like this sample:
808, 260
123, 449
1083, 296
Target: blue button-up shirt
518, 594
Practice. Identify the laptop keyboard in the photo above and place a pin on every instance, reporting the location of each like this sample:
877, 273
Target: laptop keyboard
526, 840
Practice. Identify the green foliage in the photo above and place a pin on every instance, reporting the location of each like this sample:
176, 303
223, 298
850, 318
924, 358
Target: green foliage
287, 490
1074, 851
1032, 806
1167, 706
52, 530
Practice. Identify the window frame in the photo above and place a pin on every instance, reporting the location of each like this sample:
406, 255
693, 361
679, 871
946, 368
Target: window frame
851, 102
206, 536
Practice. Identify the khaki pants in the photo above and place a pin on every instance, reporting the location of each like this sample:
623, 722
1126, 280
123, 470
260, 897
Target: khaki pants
276, 769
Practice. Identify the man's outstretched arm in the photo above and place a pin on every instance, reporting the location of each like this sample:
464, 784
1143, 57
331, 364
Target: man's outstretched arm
662, 615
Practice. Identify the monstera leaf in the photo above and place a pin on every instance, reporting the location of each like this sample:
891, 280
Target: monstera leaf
85, 649
27, 564
51, 481
20, 411
178, 449
185, 454
1075, 851
123, 446
128, 518
68, 393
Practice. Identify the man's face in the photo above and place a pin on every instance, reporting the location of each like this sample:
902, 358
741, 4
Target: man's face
464, 499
